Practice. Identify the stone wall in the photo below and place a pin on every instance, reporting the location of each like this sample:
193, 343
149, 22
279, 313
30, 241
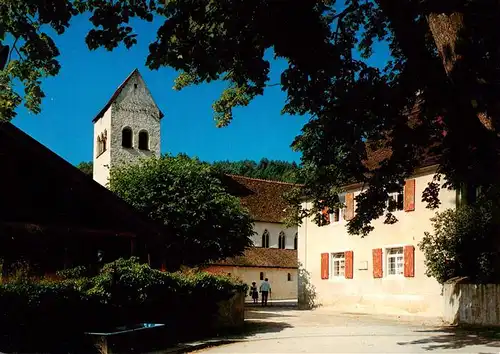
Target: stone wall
472, 304
231, 312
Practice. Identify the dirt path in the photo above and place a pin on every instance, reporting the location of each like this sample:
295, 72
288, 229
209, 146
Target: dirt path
290, 331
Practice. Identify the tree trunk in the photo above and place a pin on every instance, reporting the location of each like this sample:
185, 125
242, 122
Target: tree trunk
447, 30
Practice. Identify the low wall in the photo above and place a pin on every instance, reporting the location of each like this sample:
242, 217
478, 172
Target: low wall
231, 312
472, 304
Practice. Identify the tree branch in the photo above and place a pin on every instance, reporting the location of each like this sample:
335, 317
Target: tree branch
12, 49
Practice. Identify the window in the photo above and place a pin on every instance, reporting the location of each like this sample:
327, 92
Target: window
99, 146
127, 138
289, 277
101, 142
143, 140
339, 213
281, 240
395, 201
467, 194
295, 241
265, 239
261, 275
395, 261
338, 264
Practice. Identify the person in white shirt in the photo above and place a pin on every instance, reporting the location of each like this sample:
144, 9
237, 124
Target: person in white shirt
265, 290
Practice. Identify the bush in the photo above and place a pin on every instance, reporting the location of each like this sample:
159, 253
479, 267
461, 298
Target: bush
463, 244
56, 313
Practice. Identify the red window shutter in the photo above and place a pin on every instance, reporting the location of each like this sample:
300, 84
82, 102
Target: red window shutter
326, 213
410, 195
349, 264
325, 265
377, 263
349, 202
409, 257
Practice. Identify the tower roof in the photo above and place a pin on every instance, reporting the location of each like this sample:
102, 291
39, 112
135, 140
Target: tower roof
116, 94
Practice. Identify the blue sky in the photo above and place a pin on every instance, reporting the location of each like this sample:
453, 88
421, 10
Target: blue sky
88, 79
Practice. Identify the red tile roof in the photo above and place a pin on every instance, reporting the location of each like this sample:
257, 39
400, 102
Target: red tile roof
263, 198
263, 257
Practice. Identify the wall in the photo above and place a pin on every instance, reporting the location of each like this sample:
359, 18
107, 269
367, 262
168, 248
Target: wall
282, 289
101, 162
231, 312
397, 294
274, 230
473, 304
134, 108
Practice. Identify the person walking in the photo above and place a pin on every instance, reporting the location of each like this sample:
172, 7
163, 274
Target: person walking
265, 290
254, 292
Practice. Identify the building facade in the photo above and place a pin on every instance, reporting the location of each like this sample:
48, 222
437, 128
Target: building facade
384, 271
274, 251
127, 128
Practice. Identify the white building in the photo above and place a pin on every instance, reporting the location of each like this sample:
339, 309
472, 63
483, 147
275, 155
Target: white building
274, 255
128, 128
384, 271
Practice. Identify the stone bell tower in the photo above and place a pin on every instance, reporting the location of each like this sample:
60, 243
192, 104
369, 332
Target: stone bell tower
127, 128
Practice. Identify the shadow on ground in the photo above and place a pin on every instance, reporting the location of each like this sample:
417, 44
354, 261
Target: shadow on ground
457, 338
267, 313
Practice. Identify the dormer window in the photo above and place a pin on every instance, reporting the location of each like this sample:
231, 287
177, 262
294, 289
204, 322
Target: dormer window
143, 140
127, 137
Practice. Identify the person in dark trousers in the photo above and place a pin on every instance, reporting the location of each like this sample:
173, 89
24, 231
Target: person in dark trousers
254, 293
265, 290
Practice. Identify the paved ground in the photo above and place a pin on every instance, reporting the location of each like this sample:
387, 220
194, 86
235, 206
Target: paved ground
285, 330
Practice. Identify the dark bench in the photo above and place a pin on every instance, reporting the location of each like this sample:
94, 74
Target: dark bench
127, 339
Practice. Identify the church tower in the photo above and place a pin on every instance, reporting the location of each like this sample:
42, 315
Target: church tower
127, 128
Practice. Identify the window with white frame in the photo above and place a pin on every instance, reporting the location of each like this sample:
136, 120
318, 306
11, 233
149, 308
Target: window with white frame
395, 261
338, 214
396, 201
338, 264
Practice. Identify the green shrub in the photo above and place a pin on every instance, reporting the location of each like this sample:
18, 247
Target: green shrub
463, 244
52, 313
72, 273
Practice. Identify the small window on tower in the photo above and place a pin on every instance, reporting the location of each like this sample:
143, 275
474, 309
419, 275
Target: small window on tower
143, 140
135, 86
127, 138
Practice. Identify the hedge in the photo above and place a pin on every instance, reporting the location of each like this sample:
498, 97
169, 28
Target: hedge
54, 314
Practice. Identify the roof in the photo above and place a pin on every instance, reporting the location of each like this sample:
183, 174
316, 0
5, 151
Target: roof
376, 156
43, 189
264, 258
116, 94
263, 198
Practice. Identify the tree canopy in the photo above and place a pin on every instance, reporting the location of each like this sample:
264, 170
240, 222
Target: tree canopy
275, 170
443, 68
205, 222
86, 167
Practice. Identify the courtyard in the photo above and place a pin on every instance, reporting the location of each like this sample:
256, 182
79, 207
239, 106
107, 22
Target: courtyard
287, 330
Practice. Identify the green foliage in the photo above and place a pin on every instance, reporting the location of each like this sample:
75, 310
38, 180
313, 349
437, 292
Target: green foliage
463, 244
266, 169
47, 314
205, 222
441, 50
86, 167
72, 273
